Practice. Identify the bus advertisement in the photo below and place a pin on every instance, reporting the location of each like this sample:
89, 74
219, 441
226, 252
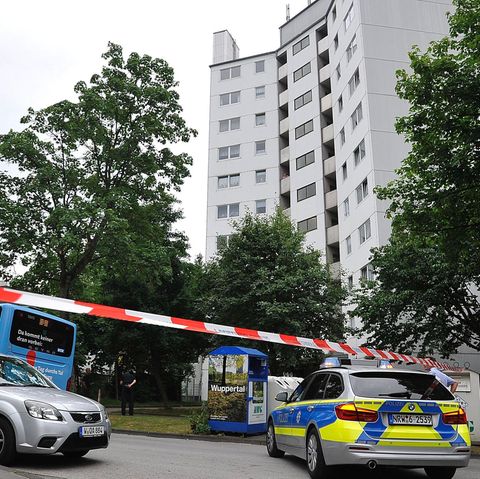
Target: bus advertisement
45, 341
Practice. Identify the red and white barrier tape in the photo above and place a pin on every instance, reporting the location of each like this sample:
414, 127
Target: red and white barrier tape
79, 307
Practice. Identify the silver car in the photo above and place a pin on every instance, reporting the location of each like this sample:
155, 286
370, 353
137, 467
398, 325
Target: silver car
38, 418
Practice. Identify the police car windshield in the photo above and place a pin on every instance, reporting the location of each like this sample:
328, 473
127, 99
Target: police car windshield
398, 385
14, 372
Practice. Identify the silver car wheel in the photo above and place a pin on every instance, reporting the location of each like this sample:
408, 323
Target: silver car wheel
2, 440
270, 437
312, 452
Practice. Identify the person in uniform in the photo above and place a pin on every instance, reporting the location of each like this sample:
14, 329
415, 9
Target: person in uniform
128, 382
442, 378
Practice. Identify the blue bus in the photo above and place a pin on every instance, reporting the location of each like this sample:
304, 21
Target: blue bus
45, 341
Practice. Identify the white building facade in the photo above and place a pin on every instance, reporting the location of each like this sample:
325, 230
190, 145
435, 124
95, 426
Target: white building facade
310, 128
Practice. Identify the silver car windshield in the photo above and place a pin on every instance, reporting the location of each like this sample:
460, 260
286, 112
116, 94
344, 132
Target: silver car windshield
15, 372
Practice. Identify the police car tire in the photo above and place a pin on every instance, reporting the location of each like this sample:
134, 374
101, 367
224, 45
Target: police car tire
75, 454
319, 469
8, 449
440, 472
272, 448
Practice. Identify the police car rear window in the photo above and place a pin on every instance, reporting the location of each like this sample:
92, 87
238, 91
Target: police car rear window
398, 385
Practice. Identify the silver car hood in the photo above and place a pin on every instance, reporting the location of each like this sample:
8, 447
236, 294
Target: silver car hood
62, 400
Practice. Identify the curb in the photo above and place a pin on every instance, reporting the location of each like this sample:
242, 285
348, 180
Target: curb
256, 440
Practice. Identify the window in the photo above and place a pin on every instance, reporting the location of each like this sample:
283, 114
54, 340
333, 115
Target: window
342, 136
359, 153
305, 160
227, 152
302, 100
349, 17
304, 129
228, 98
346, 208
362, 190
344, 171
260, 92
260, 147
350, 283
307, 225
348, 243
340, 104
301, 72
299, 46
352, 48
365, 231
354, 82
334, 14
228, 211
334, 387
366, 273
227, 73
316, 389
357, 116
234, 180
230, 124
339, 72
222, 242
260, 119
260, 66
260, 176
306, 192
222, 182
260, 206
335, 42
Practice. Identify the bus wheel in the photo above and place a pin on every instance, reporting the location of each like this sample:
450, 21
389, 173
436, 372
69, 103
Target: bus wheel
74, 454
8, 448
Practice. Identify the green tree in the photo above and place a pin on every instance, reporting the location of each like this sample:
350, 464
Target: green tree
266, 279
428, 276
87, 167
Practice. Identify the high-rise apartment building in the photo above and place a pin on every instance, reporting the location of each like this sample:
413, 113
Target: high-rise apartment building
310, 126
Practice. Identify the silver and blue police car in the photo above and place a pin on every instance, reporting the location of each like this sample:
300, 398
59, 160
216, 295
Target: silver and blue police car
354, 415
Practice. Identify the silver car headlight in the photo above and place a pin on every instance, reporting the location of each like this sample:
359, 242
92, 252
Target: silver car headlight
41, 410
105, 413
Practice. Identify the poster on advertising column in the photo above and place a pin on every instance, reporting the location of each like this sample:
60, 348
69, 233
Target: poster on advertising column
257, 411
227, 387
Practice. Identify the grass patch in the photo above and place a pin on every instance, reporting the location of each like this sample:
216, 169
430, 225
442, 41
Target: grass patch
152, 423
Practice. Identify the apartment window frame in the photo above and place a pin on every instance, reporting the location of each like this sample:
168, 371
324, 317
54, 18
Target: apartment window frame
258, 147
301, 45
307, 225
342, 137
260, 175
303, 129
307, 191
335, 42
260, 66
229, 122
362, 191
228, 210
350, 283
344, 171
366, 273
354, 82
257, 90
232, 72
365, 231
228, 181
222, 239
359, 153
348, 19
230, 152
346, 207
261, 207
340, 104
338, 71
352, 47
334, 13
302, 72
230, 96
302, 100
260, 119
357, 116
305, 160
348, 244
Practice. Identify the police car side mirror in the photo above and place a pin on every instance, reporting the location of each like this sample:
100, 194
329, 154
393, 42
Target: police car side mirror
282, 397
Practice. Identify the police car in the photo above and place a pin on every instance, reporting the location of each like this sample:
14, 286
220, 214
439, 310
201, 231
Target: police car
359, 415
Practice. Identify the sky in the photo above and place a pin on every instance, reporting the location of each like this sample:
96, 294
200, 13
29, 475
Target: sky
46, 46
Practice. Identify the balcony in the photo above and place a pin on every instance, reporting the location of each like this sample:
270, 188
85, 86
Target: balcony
285, 185
285, 155
322, 45
282, 72
326, 103
324, 73
331, 200
284, 126
283, 98
332, 235
327, 134
287, 212
335, 270
329, 166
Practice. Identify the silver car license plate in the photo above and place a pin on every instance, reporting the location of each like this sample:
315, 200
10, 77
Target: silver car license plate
91, 431
410, 419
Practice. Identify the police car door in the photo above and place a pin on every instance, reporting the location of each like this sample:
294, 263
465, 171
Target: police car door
306, 407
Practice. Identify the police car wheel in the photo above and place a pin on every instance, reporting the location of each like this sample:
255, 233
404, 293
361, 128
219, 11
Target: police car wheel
315, 462
7, 443
440, 472
272, 448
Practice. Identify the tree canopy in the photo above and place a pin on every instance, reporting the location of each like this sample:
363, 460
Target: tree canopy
266, 279
428, 276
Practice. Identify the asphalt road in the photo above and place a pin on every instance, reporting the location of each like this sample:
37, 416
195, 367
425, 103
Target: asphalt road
138, 457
